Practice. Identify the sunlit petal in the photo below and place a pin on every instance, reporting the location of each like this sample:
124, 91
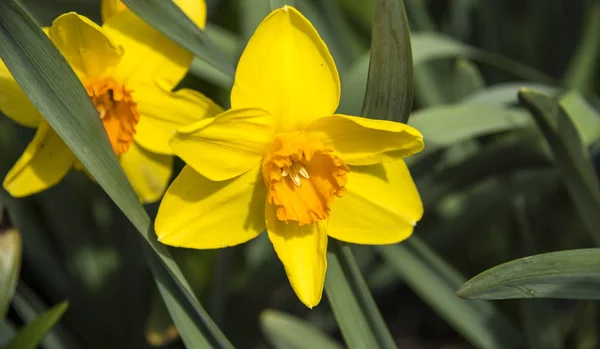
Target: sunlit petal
149, 173
226, 146
13, 101
84, 45
362, 141
381, 205
302, 250
46, 160
199, 213
287, 70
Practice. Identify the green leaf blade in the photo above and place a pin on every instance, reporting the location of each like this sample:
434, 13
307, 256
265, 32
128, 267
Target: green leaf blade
571, 156
390, 89
31, 336
572, 274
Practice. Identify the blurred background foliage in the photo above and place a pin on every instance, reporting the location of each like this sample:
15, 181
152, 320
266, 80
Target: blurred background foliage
487, 179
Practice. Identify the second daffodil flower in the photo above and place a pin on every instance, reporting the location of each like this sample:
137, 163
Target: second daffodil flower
128, 69
281, 159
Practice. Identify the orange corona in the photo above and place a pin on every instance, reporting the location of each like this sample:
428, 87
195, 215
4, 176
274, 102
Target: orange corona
117, 110
303, 178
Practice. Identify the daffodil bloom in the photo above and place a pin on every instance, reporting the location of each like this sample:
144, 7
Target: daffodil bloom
128, 70
281, 159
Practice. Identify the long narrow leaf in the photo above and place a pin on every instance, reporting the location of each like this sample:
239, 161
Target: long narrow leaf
57, 93
572, 274
389, 93
31, 336
353, 306
571, 156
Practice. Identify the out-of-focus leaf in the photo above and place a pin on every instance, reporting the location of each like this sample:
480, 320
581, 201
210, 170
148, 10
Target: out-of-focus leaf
286, 331
572, 274
435, 282
585, 118
446, 125
353, 306
52, 86
389, 91
428, 47
252, 12
583, 67
275, 4
7, 332
31, 336
10, 264
229, 45
170, 20
506, 93
571, 156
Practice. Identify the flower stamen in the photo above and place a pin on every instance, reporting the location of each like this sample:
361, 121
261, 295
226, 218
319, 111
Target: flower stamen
117, 110
303, 178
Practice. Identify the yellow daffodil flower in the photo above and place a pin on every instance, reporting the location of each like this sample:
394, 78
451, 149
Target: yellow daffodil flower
128, 70
194, 9
281, 159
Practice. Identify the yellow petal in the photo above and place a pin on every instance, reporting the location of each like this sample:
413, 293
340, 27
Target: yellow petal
287, 70
194, 9
162, 112
302, 250
84, 45
199, 213
149, 57
149, 173
13, 101
227, 145
381, 205
362, 141
46, 160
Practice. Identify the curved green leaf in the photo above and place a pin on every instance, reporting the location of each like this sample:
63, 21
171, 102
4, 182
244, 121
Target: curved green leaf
10, 264
389, 91
571, 156
287, 331
52, 86
572, 274
170, 20
31, 336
